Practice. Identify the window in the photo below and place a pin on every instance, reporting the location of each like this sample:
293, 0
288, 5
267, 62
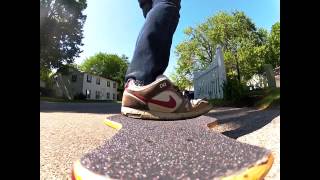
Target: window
98, 81
88, 93
74, 78
89, 78
108, 95
114, 96
97, 94
114, 85
108, 83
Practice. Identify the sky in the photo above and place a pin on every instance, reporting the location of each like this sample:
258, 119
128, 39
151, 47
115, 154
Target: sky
112, 26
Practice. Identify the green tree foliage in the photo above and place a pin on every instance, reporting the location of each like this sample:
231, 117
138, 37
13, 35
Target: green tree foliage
185, 68
65, 69
274, 45
45, 75
245, 47
109, 66
61, 23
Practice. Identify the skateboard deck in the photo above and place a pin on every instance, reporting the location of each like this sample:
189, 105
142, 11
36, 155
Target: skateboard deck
184, 149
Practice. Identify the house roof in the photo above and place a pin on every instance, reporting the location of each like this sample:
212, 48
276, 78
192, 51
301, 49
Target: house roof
95, 75
101, 77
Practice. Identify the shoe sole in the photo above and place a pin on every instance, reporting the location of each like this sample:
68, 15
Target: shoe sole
153, 115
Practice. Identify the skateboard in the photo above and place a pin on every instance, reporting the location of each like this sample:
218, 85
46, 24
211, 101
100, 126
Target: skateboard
183, 149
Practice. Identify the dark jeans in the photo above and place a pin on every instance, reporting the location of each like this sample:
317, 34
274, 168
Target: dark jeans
152, 51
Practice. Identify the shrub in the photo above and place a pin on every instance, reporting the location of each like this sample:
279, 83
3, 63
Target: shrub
234, 91
46, 92
80, 96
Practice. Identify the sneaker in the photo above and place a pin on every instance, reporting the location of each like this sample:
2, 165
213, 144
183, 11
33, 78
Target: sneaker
160, 100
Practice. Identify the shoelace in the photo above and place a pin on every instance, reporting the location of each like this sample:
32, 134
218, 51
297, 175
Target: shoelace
139, 83
180, 92
194, 102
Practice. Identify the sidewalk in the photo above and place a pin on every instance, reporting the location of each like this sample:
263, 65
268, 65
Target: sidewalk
268, 137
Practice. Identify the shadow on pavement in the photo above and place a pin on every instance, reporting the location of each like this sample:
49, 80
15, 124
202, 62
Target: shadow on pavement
223, 111
242, 122
232, 122
96, 108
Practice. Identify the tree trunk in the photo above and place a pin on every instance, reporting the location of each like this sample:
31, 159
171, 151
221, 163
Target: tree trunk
238, 71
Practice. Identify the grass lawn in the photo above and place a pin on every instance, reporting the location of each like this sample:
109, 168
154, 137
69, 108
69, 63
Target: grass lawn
271, 98
220, 103
51, 99
260, 99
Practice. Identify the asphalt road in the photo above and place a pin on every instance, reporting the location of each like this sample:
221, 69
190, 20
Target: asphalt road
69, 130
93, 108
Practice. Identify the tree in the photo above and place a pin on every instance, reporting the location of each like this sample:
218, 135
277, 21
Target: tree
109, 66
45, 76
65, 69
274, 45
61, 23
185, 64
244, 47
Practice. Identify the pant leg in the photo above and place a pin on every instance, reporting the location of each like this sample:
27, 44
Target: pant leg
152, 51
145, 5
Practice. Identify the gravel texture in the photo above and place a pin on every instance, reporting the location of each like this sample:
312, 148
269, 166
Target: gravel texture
68, 131
184, 149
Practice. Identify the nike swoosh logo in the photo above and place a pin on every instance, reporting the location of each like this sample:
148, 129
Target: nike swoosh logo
168, 104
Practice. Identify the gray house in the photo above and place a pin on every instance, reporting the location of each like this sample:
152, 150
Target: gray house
77, 82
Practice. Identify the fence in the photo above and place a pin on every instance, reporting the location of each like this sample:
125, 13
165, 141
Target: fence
209, 83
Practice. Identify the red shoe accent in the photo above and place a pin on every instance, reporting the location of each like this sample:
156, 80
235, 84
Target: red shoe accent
168, 104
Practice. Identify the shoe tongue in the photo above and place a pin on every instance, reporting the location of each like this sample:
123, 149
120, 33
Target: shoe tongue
130, 82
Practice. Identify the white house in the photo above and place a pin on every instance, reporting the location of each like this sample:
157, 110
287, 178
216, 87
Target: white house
257, 81
260, 80
77, 82
95, 87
